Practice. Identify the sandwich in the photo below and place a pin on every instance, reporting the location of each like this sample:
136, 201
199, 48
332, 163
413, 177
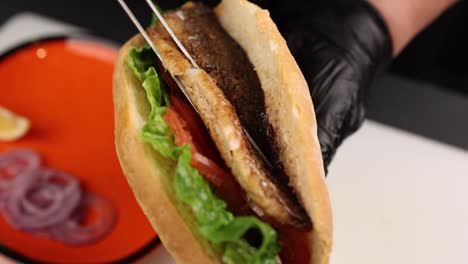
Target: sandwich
207, 192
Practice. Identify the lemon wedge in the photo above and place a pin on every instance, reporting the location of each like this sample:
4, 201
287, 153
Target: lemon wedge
12, 126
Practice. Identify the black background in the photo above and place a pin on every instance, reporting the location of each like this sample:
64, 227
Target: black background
425, 90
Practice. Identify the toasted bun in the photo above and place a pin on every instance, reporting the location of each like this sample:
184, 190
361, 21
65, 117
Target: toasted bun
286, 95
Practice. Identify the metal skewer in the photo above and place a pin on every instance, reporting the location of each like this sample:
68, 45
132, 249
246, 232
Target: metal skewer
171, 33
153, 47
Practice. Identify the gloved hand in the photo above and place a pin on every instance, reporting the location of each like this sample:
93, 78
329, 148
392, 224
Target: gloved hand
339, 46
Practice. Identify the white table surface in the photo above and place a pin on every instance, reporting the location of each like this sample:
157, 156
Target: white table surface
396, 197
399, 198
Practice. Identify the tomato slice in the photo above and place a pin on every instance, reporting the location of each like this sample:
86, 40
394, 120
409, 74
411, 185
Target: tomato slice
209, 169
223, 182
194, 124
178, 127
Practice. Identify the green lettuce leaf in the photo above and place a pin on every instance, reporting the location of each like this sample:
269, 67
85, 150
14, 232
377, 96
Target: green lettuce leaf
214, 222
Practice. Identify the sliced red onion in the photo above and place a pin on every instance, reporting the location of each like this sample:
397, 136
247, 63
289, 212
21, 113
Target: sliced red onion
49, 203
73, 232
40, 198
13, 165
47, 199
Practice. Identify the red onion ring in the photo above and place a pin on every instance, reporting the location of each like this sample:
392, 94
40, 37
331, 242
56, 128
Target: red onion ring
13, 164
47, 198
40, 198
49, 203
73, 232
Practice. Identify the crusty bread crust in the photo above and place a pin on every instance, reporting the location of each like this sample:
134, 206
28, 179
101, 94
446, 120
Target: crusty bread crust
289, 109
149, 174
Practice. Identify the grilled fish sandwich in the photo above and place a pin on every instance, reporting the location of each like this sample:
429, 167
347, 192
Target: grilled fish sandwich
204, 188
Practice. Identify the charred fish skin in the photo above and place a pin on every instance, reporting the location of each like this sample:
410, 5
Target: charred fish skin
207, 42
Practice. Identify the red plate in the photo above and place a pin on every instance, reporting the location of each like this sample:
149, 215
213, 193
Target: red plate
65, 88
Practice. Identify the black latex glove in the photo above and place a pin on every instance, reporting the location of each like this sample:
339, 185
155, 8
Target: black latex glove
339, 46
